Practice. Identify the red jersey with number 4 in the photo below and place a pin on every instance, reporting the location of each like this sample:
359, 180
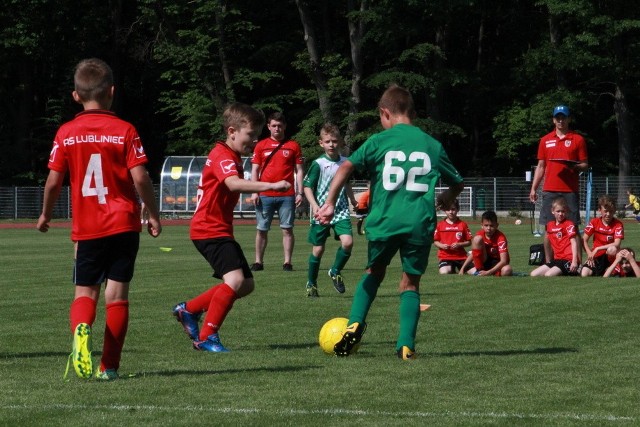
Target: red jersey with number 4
98, 149
560, 236
282, 165
604, 234
494, 245
213, 217
449, 234
558, 176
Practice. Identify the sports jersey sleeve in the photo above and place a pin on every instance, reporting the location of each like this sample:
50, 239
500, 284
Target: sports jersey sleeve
312, 176
135, 151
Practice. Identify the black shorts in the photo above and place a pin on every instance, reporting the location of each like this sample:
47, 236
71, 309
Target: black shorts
602, 262
455, 265
563, 265
111, 257
223, 255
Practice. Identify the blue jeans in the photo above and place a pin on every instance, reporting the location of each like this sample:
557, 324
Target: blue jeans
286, 207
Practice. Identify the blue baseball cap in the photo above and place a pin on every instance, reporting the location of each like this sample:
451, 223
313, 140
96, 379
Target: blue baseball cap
561, 109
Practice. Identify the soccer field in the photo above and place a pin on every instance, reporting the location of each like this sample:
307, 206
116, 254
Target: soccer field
491, 351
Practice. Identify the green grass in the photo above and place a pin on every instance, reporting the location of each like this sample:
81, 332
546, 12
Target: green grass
492, 351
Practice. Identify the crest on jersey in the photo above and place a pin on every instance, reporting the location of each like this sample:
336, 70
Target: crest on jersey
139, 149
228, 166
286, 153
54, 150
567, 143
459, 235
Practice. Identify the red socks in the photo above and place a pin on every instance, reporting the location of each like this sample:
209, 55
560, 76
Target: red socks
83, 310
221, 302
201, 303
478, 262
115, 331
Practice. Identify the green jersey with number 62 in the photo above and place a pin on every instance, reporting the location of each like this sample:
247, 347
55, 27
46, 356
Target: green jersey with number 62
404, 165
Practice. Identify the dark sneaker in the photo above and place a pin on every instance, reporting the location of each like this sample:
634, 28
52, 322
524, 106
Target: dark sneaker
350, 339
338, 283
405, 353
188, 320
211, 344
257, 266
312, 290
287, 267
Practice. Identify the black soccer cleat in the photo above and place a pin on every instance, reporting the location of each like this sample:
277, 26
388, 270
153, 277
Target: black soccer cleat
349, 341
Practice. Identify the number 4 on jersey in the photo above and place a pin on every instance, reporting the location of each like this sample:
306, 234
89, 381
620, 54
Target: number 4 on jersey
94, 173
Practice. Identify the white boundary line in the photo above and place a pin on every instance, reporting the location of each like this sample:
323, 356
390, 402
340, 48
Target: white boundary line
302, 412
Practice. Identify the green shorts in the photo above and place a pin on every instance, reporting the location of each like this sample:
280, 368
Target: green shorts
318, 234
414, 258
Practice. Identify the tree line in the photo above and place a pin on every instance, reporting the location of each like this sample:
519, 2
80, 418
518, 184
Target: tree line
485, 74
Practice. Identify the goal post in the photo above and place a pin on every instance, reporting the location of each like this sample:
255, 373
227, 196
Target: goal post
465, 198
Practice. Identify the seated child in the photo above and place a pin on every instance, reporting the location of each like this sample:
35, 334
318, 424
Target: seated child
607, 232
561, 233
489, 250
625, 265
451, 237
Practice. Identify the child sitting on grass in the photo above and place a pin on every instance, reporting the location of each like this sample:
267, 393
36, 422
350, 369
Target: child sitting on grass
607, 232
561, 233
625, 265
489, 250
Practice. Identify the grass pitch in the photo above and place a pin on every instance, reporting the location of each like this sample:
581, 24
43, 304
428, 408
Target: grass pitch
492, 351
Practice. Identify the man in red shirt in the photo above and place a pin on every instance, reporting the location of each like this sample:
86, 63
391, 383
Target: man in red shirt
211, 231
105, 161
275, 158
562, 155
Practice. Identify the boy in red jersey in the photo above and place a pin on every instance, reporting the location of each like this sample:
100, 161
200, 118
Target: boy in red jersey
276, 158
105, 161
625, 265
608, 233
211, 231
451, 237
489, 250
561, 233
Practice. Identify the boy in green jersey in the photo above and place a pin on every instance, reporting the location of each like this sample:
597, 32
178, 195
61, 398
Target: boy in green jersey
404, 165
316, 186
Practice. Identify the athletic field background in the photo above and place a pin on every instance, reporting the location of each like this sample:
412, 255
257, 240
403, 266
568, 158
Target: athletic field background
491, 351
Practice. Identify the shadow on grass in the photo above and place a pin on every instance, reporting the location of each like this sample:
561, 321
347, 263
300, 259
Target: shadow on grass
549, 350
180, 372
33, 354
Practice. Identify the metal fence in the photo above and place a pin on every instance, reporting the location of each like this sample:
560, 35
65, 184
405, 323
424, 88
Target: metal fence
505, 195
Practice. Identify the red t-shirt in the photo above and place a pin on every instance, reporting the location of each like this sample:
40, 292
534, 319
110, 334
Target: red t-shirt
495, 245
604, 234
448, 234
282, 165
558, 176
98, 149
560, 236
213, 217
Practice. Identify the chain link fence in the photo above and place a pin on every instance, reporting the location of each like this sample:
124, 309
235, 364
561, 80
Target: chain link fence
508, 196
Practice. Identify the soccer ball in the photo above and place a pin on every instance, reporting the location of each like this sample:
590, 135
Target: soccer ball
331, 333
518, 221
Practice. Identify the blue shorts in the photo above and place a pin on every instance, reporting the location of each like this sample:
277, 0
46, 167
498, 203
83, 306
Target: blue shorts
112, 257
286, 207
